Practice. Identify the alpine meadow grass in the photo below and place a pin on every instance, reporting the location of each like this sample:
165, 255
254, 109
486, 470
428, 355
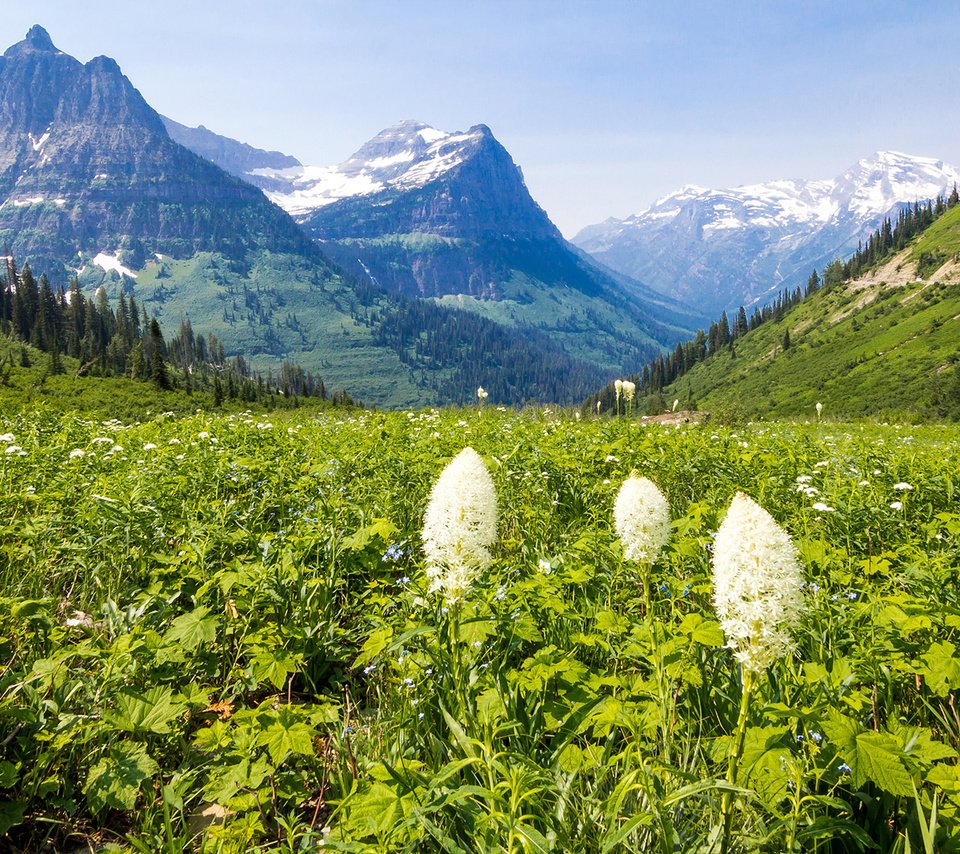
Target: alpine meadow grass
230, 634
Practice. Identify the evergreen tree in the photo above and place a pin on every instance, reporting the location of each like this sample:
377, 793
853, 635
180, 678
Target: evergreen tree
158, 368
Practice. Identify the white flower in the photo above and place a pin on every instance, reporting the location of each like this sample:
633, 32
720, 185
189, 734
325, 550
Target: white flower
641, 516
12, 449
822, 508
482, 394
756, 584
676, 403
819, 409
460, 525
149, 447
543, 566
7, 437
629, 390
76, 452
902, 486
896, 505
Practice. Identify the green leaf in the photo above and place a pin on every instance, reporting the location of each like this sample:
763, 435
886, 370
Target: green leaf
8, 775
192, 629
151, 711
376, 810
287, 734
374, 645
382, 528
116, 779
11, 814
879, 759
275, 665
702, 631
940, 669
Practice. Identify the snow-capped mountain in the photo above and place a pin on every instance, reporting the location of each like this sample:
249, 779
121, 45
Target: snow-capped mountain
405, 156
403, 161
447, 216
718, 249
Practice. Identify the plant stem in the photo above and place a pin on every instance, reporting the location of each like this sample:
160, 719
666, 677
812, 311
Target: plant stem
733, 762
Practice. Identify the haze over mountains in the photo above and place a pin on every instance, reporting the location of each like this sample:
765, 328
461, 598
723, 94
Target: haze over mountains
410, 273
719, 249
92, 182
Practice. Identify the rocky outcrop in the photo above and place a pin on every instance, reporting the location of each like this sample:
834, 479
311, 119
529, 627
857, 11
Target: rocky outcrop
86, 165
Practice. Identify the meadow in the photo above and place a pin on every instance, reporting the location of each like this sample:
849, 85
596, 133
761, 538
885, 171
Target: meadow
216, 634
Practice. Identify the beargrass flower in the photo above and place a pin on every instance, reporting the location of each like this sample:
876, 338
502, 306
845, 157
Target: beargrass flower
641, 516
757, 582
460, 525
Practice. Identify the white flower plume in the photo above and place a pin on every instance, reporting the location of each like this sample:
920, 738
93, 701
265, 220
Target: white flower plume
756, 584
460, 525
641, 516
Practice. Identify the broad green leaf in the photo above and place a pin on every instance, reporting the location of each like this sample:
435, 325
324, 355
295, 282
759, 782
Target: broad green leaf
374, 645
879, 759
11, 814
702, 631
116, 779
285, 735
375, 810
151, 711
8, 774
275, 666
192, 629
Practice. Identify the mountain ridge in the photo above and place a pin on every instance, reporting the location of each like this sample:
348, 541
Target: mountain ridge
724, 248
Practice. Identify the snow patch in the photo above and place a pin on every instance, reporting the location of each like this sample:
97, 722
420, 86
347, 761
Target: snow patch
39, 143
112, 263
33, 200
307, 188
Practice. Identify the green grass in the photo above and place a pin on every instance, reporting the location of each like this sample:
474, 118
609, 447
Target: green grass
233, 610
282, 307
882, 349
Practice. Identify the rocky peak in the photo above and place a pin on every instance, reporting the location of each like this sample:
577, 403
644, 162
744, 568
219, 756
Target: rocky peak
37, 41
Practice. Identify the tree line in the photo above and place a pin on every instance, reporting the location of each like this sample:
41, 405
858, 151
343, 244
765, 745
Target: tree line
123, 341
890, 237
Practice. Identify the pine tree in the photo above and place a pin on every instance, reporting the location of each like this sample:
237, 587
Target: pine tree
158, 368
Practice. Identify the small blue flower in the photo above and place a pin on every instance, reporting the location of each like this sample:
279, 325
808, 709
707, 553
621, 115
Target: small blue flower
843, 768
686, 590
852, 596
815, 736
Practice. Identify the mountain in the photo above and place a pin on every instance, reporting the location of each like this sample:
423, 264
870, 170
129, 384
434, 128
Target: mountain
447, 216
237, 158
91, 183
883, 344
84, 157
718, 249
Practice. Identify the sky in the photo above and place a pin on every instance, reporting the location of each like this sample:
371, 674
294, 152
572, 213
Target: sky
606, 105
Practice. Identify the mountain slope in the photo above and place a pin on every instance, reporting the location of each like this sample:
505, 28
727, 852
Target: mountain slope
82, 156
888, 342
433, 214
722, 248
91, 183
237, 158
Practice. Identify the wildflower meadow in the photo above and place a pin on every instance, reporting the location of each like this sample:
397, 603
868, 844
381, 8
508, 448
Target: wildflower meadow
474, 631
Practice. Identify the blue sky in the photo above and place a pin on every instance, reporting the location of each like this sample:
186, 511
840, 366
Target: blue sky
605, 105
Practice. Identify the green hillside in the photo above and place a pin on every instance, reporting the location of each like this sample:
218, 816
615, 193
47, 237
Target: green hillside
387, 350
886, 343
